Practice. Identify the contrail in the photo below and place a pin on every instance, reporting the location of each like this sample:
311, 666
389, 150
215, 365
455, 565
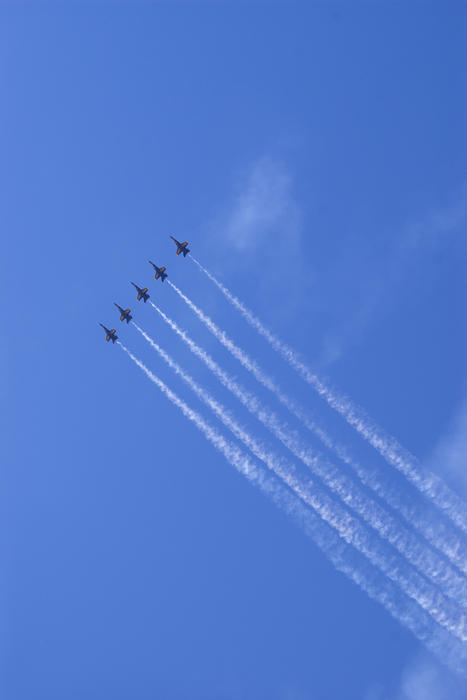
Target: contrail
399, 606
455, 549
439, 535
426, 482
444, 612
427, 561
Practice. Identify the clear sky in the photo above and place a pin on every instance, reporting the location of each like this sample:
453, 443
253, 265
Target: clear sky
314, 155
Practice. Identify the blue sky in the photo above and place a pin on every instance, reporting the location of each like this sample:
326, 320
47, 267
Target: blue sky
314, 156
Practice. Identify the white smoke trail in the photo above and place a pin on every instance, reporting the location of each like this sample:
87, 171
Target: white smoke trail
454, 548
426, 482
426, 560
438, 534
448, 650
435, 532
444, 612
230, 452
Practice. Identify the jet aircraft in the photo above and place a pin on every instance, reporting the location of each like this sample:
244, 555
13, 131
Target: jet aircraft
110, 335
181, 247
142, 293
160, 271
124, 313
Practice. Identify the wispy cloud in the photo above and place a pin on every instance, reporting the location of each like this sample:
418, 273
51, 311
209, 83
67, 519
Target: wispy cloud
386, 271
263, 207
436, 225
264, 215
450, 455
261, 226
424, 679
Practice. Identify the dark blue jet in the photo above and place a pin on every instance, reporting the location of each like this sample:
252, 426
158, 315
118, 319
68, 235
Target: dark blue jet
142, 293
124, 313
110, 335
160, 271
181, 247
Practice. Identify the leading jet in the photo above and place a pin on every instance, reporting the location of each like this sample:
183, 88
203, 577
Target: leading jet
142, 293
110, 335
160, 271
124, 313
181, 247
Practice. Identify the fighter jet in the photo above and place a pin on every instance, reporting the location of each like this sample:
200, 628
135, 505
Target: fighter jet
110, 335
181, 247
159, 271
142, 293
124, 313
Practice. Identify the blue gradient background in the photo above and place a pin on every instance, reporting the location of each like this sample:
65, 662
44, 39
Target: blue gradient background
136, 562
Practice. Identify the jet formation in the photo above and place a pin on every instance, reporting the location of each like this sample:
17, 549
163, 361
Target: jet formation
142, 292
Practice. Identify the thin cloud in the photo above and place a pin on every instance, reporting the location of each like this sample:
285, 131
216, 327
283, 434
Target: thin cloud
421, 679
450, 455
263, 207
386, 273
425, 679
263, 218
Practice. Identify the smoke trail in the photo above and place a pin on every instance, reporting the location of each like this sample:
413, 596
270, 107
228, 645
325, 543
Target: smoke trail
428, 562
444, 612
438, 534
402, 609
230, 452
426, 482
290, 439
